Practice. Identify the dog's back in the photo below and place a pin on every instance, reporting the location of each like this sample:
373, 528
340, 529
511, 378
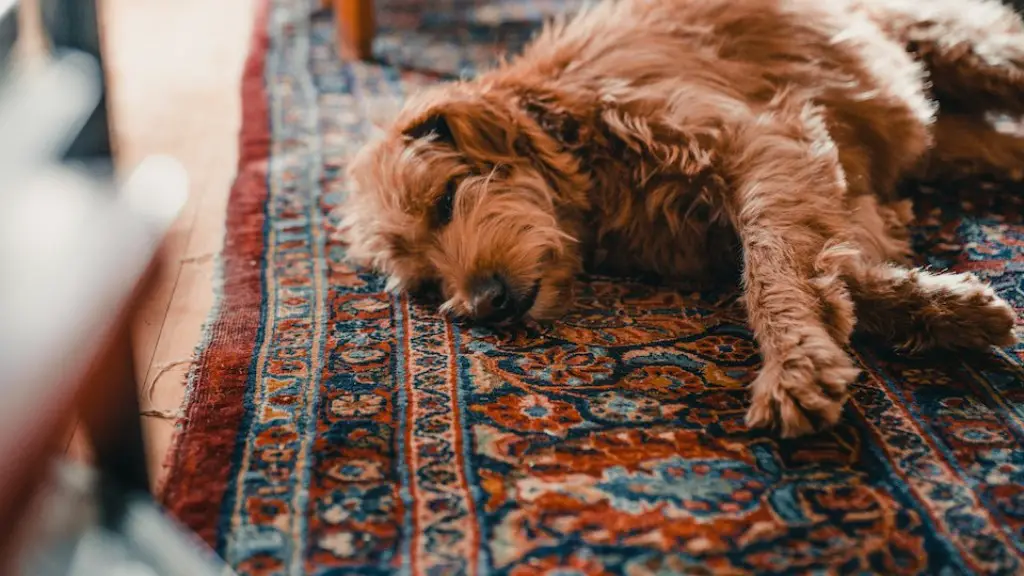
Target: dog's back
669, 74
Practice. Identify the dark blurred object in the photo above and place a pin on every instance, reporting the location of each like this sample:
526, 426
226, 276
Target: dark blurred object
8, 36
73, 25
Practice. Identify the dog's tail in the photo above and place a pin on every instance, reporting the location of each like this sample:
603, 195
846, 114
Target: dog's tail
973, 49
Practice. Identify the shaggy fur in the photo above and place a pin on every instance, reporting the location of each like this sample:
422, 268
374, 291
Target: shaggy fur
696, 138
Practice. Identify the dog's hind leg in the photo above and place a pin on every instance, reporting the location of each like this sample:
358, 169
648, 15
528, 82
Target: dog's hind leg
973, 49
918, 310
971, 144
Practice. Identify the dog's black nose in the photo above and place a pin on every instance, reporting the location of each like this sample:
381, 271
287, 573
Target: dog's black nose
492, 299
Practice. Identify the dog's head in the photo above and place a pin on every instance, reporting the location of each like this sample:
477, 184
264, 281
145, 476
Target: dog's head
467, 193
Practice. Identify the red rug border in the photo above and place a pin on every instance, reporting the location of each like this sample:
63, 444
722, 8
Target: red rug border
202, 454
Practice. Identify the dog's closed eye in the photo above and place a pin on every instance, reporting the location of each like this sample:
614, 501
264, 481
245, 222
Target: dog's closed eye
445, 205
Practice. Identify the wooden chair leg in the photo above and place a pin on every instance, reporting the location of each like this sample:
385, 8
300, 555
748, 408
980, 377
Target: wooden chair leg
355, 27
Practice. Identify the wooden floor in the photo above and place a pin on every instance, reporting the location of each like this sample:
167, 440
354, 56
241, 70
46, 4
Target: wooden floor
175, 70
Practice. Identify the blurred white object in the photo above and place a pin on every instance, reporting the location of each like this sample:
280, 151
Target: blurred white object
70, 249
74, 247
42, 109
71, 542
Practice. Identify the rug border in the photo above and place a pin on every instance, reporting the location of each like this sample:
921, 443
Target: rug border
214, 402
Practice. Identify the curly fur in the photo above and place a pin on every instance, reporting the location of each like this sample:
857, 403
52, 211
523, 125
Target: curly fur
699, 138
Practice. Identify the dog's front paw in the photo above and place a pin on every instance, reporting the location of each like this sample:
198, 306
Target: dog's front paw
803, 390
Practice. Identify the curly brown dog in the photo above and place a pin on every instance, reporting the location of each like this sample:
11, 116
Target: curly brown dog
685, 137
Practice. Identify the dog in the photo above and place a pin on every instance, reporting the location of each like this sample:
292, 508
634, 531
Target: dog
697, 139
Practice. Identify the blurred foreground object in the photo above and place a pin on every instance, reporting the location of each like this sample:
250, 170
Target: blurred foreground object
77, 253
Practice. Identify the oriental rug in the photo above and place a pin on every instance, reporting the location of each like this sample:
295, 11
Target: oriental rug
332, 428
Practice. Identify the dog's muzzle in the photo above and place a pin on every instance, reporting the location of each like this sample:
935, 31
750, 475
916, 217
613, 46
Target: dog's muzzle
493, 300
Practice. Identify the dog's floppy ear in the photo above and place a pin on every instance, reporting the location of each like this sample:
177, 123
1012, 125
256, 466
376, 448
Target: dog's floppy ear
470, 123
435, 126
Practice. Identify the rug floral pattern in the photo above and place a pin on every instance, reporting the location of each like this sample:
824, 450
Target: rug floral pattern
335, 429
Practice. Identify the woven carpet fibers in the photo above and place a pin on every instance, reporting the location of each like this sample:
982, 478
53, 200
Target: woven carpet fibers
334, 429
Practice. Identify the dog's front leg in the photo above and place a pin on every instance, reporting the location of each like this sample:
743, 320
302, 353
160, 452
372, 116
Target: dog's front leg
787, 205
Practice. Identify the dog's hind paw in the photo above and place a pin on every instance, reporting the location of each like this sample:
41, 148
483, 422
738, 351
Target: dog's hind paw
960, 312
988, 320
802, 391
